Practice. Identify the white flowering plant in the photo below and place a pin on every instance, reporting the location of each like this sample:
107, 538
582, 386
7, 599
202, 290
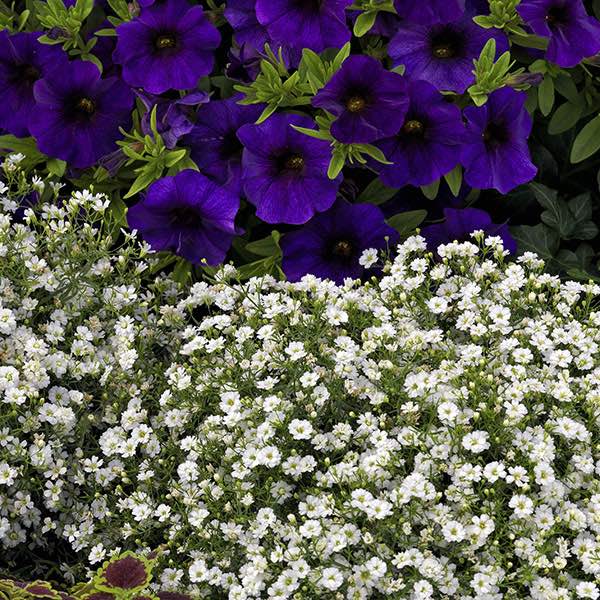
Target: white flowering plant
432, 434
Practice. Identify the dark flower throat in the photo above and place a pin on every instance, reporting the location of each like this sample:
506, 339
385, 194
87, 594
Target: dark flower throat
342, 249
292, 162
27, 73
86, 106
164, 41
446, 43
557, 15
356, 104
414, 127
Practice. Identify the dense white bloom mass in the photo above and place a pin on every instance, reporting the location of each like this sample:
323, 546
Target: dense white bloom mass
432, 435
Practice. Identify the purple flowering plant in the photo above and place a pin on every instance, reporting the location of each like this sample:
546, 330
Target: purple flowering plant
274, 115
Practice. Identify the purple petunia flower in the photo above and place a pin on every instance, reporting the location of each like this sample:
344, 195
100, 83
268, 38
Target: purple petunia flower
174, 118
241, 15
23, 60
443, 53
495, 153
189, 215
78, 114
169, 46
460, 223
314, 24
574, 35
215, 147
331, 243
284, 172
368, 101
430, 11
428, 144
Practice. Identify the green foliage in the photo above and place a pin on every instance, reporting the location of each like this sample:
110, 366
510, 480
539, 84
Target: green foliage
369, 11
587, 141
503, 15
155, 156
562, 220
490, 75
405, 223
66, 24
377, 192
277, 88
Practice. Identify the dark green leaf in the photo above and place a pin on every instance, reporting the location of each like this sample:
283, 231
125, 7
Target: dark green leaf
586, 231
538, 238
56, 167
454, 180
581, 207
431, 191
268, 246
376, 193
564, 118
182, 271
546, 95
405, 223
587, 141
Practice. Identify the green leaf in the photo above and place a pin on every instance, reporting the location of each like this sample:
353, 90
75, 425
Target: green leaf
268, 246
564, 118
119, 209
336, 164
56, 167
83, 8
454, 180
174, 156
546, 95
364, 22
566, 87
586, 231
266, 113
540, 239
182, 271
431, 191
105, 32
587, 141
544, 195
581, 207
376, 193
143, 180
25, 146
257, 268
341, 56
373, 152
315, 133
405, 223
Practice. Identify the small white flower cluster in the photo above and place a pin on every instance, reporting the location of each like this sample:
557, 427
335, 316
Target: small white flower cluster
435, 434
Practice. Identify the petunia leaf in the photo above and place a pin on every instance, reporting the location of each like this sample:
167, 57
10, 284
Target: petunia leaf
364, 22
336, 164
268, 246
56, 167
587, 141
266, 113
454, 180
376, 193
314, 133
143, 180
431, 191
564, 118
405, 223
546, 95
